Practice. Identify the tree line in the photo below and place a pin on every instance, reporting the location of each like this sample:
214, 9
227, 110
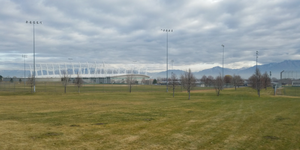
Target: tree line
187, 80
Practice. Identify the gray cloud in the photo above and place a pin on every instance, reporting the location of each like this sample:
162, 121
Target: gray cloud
120, 32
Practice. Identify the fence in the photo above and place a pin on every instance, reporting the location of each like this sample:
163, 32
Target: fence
289, 91
293, 75
20, 85
289, 81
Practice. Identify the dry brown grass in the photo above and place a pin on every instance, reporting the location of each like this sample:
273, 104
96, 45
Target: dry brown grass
234, 120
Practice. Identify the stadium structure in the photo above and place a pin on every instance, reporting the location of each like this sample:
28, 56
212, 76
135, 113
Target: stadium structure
90, 73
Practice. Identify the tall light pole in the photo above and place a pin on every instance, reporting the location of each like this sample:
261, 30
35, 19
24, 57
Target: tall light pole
223, 62
281, 77
24, 56
256, 71
167, 31
256, 59
33, 23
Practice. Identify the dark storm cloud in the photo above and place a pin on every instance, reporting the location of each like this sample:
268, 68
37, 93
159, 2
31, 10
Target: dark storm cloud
120, 32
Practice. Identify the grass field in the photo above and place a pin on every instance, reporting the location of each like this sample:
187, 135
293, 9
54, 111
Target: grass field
292, 91
149, 120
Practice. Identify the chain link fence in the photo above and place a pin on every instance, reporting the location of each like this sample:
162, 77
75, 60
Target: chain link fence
290, 83
289, 91
50, 85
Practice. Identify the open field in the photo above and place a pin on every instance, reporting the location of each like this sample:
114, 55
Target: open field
149, 120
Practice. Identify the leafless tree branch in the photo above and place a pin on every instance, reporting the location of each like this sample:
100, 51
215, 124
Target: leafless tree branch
188, 81
65, 79
78, 82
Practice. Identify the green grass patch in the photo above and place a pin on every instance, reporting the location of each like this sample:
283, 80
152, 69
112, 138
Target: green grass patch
291, 91
150, 120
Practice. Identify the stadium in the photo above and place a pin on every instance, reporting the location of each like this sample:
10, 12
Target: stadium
90, 73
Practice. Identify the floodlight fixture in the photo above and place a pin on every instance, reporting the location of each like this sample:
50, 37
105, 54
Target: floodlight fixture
33, 28
223, 62
256, 58
167, 31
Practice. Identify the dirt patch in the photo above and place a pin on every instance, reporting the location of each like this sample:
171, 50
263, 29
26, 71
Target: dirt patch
269, 137
148, 119
130, 139
47, 135
57, 124
100, 123
53, 134
74, 125
192, 121
279, 118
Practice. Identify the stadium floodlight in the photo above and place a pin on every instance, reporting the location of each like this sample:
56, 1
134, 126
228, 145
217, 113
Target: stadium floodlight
223, 62
33, 24
256, 58
167, 31
256, 71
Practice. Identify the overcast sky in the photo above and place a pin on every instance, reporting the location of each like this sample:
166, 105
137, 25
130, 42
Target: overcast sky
126, 32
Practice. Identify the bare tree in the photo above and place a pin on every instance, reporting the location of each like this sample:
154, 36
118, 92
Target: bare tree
241, 82
188, 81
65, 79
236, 80
266, 80
255, 81
130, 80
78, 82
173, 82
30, 82
210, 80
204, 80
227, 79
218, 84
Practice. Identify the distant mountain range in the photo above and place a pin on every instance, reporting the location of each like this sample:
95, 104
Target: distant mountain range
275, 68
